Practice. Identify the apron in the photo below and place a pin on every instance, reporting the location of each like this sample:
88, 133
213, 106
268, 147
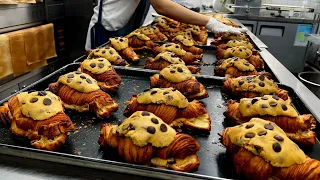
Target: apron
99, 35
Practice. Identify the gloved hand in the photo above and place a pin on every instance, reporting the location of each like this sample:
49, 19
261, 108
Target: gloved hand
218, 27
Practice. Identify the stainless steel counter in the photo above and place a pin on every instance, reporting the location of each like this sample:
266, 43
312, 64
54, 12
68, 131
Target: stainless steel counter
272, 19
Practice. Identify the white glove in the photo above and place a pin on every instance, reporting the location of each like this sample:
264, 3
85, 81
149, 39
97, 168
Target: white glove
218, 27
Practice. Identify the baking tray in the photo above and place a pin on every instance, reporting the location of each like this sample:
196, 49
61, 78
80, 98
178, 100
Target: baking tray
82, 148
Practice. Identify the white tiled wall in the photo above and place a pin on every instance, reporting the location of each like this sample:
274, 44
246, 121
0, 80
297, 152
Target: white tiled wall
309, 3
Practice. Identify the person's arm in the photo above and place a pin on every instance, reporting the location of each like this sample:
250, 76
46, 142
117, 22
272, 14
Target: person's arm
182, 14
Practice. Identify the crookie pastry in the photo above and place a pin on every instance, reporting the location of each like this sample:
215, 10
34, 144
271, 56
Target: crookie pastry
223, 38
40, 117
153, 33
139, 41
172, 107
272, 108
187, 44
252, 86
236, 43
164, 59
179, 77
101, 70
81, 92
163, 26
121, 44
187, 57
108, 53
145, 139
236, 67
261, 150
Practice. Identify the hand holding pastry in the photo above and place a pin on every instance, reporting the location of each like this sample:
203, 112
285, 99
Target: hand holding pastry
144, 138
121, 44
40, 117
108, 53
261, 152
81, 92
179, 77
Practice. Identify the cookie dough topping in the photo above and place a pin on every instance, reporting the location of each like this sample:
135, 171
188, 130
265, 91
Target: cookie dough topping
79, 81
176, 73
239, 51
235, 43
255, 83
172, 47
139, 35
266, 139
241, 64
170, 57
161, 22
185, 40
270, 105
143, 128
168, 96
119, 43
97, 66
106, 52
39, 105
148, 30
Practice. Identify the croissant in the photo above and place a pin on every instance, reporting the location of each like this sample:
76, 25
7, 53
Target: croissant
253, 165
297, 127
256, 61
176, 151
81, 92
187, 44
121, 44
202, 38
102, 71
140, 44
171, 22
252, 86
223, 38
189, 87
48, 130
108, 53
192, 115
153, 33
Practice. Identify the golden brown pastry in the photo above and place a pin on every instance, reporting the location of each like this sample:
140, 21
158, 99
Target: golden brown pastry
81, 92
121, 44
40, 117
172, 107
179, 77
171, 22
253, 86
223, 38
144, 138
164, 59
223, 19
108, 53
101, 70
236, 67
139, 41
153, 33
187, 44
261, 150
187, 57
272, 108
163, 26
235, 43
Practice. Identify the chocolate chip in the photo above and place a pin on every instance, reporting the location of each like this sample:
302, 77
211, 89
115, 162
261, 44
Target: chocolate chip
107, 47
180, 69
153, 92
92, 65
155, 120
165, 93
100, 60
103, 52
240, 82
247, 64
254, 101
173, 89
169, 97
77, 72
177, 46
273, 104
146, 90
47, 101
33, 100
97, 50
69, 80
275, 97
249, 126
268, 126
151, 130
264, 98
249, 135
262, 77
70, 76
42, 93
89, 81
145, 113
279, 138
121, 40
284, 107
249, 78
264, 106
163, 128
100, 65
262, 133
83, 77
276, 147
172, 71
120, 122
261, 84
79, 82
31, 91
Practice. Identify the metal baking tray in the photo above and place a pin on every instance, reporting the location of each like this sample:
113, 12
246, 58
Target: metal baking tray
82, 149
